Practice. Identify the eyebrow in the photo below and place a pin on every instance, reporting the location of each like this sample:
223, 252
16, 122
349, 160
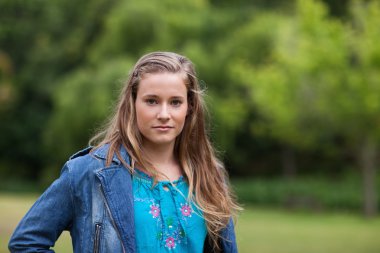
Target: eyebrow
155, 96
178, 97
150, 95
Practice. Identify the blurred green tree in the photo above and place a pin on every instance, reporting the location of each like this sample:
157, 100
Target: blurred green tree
84, 97
322, 80
82, 102
39, 42
296, 74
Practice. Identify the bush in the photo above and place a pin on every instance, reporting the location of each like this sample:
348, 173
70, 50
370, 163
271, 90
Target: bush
315, 193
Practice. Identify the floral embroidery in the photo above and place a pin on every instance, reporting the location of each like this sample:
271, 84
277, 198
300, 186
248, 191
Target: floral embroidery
186, 210
170, 222
170, 243
159, 236
155, 210
181, 233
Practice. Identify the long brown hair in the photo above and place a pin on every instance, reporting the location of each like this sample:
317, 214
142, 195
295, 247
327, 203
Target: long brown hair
206, 175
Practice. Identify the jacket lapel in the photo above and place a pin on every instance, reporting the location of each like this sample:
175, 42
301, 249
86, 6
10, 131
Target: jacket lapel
117, 189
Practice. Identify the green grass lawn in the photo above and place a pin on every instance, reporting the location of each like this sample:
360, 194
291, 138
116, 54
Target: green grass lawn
271, 231
258, 230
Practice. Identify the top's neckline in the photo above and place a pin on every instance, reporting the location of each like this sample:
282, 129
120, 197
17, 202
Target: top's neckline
144, 176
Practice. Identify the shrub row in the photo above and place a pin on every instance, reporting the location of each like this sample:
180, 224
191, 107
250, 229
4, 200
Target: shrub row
316, 193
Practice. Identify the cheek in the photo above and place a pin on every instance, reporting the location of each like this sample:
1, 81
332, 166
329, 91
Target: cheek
141, 116
182, 115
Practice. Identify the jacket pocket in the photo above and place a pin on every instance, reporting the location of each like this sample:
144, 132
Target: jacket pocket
98, 230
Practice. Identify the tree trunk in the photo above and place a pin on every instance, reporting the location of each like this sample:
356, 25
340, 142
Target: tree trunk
289, 163
367, 162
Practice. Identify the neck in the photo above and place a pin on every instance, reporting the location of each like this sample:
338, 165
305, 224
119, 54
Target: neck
159, 154
163, 159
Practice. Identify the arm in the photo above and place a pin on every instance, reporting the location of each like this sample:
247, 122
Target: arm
49, 216
229, 239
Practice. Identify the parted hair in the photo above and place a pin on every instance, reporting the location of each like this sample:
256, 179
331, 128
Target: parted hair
205, 173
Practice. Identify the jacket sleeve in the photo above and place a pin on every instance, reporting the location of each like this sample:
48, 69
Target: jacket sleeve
49, 216
229, 239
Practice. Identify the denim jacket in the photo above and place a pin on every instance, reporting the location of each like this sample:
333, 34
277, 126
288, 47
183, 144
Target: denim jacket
95, 203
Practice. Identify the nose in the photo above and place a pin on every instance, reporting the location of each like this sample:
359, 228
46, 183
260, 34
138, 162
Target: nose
163, 113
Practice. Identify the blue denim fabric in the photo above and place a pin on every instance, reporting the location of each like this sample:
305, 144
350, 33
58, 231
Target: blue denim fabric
94, 203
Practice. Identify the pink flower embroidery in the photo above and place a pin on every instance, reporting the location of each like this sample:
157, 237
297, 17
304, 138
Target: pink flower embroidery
186, 210
170, 243
155, 210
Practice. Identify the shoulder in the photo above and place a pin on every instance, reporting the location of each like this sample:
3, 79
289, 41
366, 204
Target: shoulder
83, 161
91, 159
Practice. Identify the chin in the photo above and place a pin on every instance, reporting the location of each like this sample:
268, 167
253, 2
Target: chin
164, 142
161, 141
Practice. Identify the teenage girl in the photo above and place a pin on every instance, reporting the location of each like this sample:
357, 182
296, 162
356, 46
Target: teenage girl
149, 182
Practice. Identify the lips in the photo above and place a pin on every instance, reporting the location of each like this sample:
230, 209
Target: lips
163, 127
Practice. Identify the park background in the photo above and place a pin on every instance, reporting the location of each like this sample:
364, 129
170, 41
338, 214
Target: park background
293, 89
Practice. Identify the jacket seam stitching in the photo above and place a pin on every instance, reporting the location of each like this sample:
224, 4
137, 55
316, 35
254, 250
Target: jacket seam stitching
69, 170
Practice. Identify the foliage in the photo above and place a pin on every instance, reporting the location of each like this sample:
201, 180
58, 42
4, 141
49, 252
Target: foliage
274, 72
82, 101
40, 41
304, 193
318, 78
322, 81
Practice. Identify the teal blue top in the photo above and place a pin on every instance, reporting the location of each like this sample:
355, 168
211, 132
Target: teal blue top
164, 220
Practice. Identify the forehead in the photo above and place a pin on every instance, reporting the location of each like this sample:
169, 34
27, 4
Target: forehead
162, 84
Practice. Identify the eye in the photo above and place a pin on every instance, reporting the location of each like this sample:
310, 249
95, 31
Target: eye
151, 101
176, 102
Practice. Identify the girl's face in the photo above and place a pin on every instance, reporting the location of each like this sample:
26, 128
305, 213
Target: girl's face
161, 108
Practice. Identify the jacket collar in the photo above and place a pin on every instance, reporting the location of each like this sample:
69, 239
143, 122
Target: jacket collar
102, 152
